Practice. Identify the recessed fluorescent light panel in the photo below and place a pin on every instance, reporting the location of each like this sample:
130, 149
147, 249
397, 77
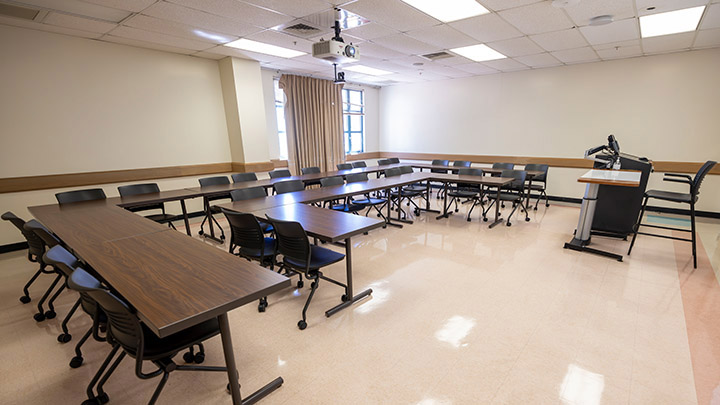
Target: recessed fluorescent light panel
671, 22
478, 53
367, 70
259, 47
449, 10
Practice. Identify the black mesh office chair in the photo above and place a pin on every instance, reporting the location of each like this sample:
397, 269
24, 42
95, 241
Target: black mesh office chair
288, 186
311, 170
344, 166
384, 162
279, 173
90, 194
243, 177
300, 256
135, 189
126, 332
210, 210
539, 183
466, 192
359, 163
367, 200
347, 205
684, 198
513, 192
36, 249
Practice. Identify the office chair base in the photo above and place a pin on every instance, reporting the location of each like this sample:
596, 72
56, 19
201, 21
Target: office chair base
580, 246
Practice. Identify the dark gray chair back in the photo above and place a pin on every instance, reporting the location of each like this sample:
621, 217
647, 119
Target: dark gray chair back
241, 177
540, 168
288, 186
700, 176
356, 177
384, 162
310, 170
344, 166
393, 171
504, 166
280, 173
358, 164
80, 195
394, 160
519, 183
332, 181
248, 193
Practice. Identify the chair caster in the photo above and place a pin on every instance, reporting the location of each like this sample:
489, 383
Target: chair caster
527, 219
300, 284
188, 357
456, 210
99, 400
39, 317
484, 219
25, 299
64, 337
508, 224
302, 325
50, 314
469, 219
201, 232
547, 205
222, 237
199, 358
262, 305
535, 209
76, 362
417, 212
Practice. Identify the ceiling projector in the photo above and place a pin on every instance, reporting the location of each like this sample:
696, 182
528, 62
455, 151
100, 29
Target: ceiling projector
336, 50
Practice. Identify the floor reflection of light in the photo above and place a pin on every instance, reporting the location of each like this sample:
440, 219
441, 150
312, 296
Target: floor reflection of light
434, 401
281, 362
581, 386
455, 330
296, 293
379, 296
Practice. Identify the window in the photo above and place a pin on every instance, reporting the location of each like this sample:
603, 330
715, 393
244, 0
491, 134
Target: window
280, 116
354, 120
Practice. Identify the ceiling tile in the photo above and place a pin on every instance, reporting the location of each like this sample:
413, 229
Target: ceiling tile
537, 18
393, 13
486, 28
662, 6
577, 55
237, 10
146, 45
711, 19
634, 42
80, 9
208, 55
227, 51
619, 52
408, 62
707, 38
476, 69
668, 43
158, 38
319, 63
370, 31
402, 78
506, 65
295, 8
177, 29
559, 40
17, 22
582, 12
405, 44
377, 51
79, 23
446, 71
135, 6
540, 60
498, 5
386, 65
516, 47
195, 18
453, 61
624, 30
293, 65
442, 37
273, 37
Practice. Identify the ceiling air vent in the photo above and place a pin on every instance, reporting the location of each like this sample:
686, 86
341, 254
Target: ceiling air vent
301, 29
18, 12
436, 55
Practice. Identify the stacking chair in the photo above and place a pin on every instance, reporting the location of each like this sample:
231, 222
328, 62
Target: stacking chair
439, 162
420, 188
513, 192
242, 177
126, 332
347, 205
210, 210
384, 162
300, 256
359, 163
393, 160
397, 196
134, 189
311, 170
456, 164
36, 250
344, 166
80, 195
466, 191
280, 173
684, 198
248, 193
503, 166
367, 200
539, 183
288, 186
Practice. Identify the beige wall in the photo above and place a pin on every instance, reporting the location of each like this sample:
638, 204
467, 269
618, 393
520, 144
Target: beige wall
664, 107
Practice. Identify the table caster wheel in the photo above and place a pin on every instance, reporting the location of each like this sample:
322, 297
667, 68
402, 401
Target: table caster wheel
76, 362
64, 337
188, 357
50, 314
302, 325
39, 317
199, 358
25, 299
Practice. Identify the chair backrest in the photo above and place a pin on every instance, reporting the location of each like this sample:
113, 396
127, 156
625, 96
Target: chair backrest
288, 186
440, 162
700, 176
123, 324
246, 230
35, 244
384, 162
279, 173
394, 160
48, 239
504, 166
80, 280
519, 175
292, 241
461, 163
344, 166
248, 193
332, 181
80, 195
540, 168
356, 177
135, 189
213, 181
61, 259
393, 171
359, 164
310, 170
470, 171
241, 177
406, 169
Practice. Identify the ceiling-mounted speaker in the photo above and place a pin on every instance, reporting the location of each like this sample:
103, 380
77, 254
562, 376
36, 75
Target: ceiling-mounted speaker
564, 3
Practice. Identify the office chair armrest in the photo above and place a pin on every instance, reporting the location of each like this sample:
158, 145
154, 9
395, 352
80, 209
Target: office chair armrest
688, 182
687, 176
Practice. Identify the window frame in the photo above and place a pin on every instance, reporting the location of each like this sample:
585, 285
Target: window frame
350, 110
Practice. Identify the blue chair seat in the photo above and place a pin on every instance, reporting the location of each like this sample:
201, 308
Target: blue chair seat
462, 193
369, 201
352, 207
158, 348
319, 257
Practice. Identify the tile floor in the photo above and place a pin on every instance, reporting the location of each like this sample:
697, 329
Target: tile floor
460, 314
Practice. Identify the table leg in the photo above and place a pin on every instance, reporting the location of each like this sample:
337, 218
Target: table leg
529, 190
232, 369
498, 220
427, 201
349, 297
185, 217
445, 213
389, 212
210, 219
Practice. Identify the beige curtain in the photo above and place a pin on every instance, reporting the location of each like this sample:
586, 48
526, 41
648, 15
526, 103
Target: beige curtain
314, 122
